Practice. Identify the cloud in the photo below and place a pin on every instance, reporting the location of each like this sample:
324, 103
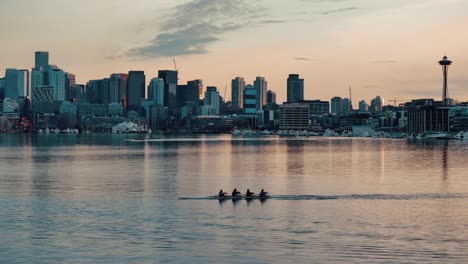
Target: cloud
273, 21
302, 59
194, 25
383, 61
340, 10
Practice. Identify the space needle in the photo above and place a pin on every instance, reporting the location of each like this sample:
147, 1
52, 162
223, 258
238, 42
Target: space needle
445, 63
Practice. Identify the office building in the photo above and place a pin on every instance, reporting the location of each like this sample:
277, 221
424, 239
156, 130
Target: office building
337, 105
41, 60
295, 88
376, 104
170, 88
156, 91
135, 90
271, 97
118, 88
250, 99
294, 116
237, 93
16, 84
346, 106
261, 88
363, 106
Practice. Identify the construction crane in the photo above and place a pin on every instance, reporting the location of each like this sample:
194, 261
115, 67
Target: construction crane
175, 65
395, 100
175, 68
350, 100
225, 88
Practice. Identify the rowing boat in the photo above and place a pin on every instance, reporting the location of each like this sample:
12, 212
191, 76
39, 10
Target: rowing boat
240, 197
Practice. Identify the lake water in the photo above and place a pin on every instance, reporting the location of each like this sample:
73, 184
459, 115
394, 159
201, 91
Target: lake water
116, 199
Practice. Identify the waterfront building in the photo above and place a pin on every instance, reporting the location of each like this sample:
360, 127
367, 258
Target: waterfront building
261, 87
294, 116
68, 115
295, 88
115, 109
86, 109
363, 106
317, 107
337, 105
170, 88
237, 93
271, 97
427, 115
135, 90
250, 99
10, 106
98, 91
158, 117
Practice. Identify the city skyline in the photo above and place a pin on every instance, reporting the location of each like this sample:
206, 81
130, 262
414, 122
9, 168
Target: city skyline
345, 48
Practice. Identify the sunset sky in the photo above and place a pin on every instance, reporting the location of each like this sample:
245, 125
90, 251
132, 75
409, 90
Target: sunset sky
379, 47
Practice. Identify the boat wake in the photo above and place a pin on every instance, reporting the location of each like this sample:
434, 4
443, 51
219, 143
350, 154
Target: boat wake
417, 196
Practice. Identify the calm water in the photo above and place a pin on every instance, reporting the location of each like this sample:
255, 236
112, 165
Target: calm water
107, 199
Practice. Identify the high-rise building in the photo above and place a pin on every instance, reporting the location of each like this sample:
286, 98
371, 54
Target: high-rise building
16, 83
56, 80
376, 104
346, 106
170, 88
156, 91
250, 99
135, 90
69, 82
337, 105
237, 93
41, 60
118, 88
261, 88
2, 88
295, 88
271, 97
212, 100
363, 106
192, 94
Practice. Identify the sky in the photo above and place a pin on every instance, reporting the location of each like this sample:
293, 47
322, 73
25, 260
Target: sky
388, 48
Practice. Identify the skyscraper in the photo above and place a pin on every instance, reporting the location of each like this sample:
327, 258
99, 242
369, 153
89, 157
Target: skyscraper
156, 91
56, 79
271, 97
346, 106
135, 90
170, 88
118, 88
16, 83
261, 88
376, 104
192, 92
295, 88
211, 105
41, 60
250, 99
237, 93
363, 107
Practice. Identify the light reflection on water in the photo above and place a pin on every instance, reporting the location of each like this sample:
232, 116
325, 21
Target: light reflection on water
104, 198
